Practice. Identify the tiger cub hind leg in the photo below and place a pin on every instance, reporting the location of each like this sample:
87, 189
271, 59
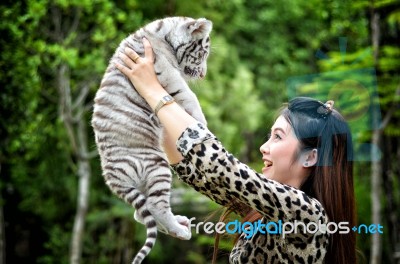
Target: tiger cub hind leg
158, 186
134, 197
174, 225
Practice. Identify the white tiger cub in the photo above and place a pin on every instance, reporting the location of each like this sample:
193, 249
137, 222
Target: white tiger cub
127, 134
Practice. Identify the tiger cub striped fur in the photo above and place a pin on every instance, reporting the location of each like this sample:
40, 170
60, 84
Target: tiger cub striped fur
128, 136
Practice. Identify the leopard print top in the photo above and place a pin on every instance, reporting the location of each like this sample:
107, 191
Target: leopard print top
212, 171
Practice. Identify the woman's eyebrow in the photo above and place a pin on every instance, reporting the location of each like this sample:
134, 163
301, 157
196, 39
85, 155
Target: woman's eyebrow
278, 128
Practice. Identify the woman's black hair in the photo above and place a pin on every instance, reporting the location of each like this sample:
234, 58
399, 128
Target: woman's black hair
319, 126
315, 124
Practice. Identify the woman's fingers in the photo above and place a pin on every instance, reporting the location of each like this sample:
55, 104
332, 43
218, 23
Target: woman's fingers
148, 50
127, 59
141, 73
130, 57
122, 68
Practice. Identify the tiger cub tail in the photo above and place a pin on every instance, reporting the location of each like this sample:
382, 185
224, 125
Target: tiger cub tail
151, 237
139, 203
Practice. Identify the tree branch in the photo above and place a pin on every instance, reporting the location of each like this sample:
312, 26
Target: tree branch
84, 91
90, 155
56, 17
75, 22
64, 90
392, 108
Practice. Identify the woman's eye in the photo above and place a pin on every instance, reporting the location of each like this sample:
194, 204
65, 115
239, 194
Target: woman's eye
276, 136
273, 136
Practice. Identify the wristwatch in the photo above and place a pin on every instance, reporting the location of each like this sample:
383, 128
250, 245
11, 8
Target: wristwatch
166, 100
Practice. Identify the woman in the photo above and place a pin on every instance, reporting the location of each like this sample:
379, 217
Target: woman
307, 176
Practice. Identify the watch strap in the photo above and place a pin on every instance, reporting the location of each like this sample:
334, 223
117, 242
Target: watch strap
166, 100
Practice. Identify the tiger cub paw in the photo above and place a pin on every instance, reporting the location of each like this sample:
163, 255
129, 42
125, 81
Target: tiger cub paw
182, 220
184, 231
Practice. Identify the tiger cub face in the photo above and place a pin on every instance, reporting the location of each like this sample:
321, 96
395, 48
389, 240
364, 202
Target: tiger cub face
191, 41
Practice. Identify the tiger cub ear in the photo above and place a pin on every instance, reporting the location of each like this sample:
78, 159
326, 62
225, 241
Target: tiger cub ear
199, 28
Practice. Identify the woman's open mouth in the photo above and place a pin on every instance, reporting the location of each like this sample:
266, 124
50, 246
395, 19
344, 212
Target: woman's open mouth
267, 163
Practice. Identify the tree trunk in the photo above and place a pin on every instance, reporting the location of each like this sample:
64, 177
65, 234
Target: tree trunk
376, 172
389, 185
376, 166
395, 216
2, 233
76, 127
84, 173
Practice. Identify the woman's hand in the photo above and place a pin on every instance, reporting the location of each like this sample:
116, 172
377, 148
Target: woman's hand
141, 73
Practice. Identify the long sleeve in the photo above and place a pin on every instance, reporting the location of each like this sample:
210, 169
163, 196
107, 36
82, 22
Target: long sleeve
214, 172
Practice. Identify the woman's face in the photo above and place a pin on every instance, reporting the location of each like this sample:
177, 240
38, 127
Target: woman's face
278, 155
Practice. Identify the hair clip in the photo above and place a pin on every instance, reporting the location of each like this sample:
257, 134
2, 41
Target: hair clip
325, 109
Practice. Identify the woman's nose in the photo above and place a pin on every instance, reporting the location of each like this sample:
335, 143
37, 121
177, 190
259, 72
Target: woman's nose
264, 149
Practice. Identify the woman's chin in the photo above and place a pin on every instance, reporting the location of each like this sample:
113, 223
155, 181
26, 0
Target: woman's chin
266, 171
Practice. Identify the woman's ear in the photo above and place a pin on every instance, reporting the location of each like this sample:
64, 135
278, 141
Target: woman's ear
310, 158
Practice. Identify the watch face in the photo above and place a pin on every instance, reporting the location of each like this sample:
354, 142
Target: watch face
168, 98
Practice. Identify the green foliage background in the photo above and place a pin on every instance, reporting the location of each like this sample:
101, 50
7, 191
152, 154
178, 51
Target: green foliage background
257, 45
